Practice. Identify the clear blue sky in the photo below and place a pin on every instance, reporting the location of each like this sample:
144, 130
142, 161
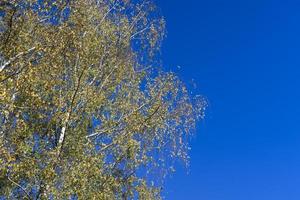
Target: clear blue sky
245, 58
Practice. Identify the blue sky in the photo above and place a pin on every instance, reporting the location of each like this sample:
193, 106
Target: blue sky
244, 57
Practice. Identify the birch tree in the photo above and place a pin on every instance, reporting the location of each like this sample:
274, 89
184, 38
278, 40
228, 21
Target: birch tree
86, 111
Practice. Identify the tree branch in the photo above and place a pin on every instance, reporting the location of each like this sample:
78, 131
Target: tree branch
2, 67
69, 113
23, 189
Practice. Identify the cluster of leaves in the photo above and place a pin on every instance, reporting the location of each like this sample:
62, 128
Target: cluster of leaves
83, 112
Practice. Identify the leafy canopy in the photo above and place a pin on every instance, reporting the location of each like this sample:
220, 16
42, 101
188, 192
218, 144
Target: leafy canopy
84, 112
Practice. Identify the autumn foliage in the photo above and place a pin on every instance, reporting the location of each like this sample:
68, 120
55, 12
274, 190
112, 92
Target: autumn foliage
86, 112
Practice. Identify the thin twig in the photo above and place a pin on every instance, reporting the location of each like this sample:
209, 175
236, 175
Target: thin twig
23, 189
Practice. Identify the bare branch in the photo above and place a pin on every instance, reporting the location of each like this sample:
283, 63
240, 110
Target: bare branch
139, 32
